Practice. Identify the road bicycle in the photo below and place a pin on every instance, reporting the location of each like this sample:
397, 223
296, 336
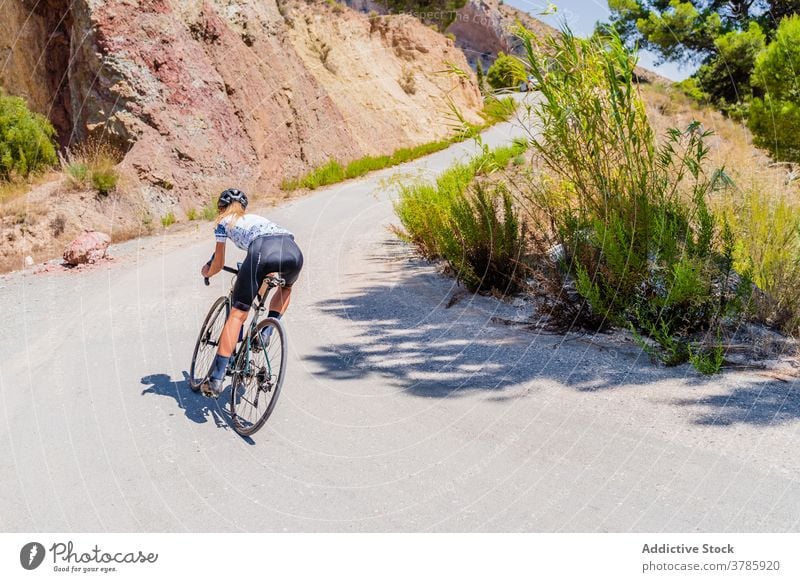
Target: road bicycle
257, 370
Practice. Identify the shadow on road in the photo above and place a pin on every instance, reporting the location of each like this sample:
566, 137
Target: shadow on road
400, 333
766, 404
195, 406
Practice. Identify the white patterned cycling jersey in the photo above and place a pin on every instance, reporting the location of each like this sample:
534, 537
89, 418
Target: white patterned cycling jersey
247, 229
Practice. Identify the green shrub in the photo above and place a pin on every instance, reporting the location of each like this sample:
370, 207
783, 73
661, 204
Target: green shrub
191, 214
633, 218
475, 230
105, 180
691, 89
767, 248
333, 171
78, 173
330, 173
489, 242
364, 165
498, 110
775, 118
707, 361
494, 111
168, 219
26, 139
209, 211
506, 72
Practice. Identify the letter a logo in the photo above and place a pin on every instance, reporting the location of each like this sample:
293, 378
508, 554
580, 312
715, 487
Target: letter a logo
31, 555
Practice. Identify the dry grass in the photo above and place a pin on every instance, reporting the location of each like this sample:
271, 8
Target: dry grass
763, 208
407, 81
732, 144
11, 190
92, 164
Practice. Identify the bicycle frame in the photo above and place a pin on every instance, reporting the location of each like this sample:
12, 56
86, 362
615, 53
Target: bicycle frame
254, 379
259, 305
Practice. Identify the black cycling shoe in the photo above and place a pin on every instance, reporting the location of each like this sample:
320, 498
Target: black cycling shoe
212, 388
259, 342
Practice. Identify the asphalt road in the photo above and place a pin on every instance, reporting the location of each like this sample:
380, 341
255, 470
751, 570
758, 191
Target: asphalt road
398, 413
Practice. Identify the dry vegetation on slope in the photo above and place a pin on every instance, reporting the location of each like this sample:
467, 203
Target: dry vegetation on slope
763, 207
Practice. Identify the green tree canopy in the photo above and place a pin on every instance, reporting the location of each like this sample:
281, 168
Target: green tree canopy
775, 114
726, 76
686, 31
724, 36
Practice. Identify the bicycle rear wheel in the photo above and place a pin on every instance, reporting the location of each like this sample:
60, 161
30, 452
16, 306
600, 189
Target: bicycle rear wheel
207, 343
257, 379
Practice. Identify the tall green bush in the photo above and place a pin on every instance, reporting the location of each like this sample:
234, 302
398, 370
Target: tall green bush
507, 71
768, 247
475, 228
775, 116
26, 139
632, 216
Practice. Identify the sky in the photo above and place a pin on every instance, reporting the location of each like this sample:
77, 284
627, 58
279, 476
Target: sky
581, 16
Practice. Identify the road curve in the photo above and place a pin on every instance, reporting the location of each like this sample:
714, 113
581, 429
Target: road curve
398, 413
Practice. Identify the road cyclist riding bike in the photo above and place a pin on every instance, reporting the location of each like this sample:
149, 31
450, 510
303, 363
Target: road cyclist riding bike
270, 249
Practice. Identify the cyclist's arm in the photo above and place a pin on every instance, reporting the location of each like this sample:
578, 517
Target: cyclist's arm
217, 262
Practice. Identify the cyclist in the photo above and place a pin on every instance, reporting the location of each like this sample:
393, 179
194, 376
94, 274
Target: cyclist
270, 249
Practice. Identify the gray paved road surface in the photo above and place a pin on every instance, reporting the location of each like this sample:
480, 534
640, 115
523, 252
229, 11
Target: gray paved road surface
398, 413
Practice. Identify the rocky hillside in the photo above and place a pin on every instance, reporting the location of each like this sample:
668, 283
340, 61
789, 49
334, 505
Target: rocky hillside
483, 28
205, 93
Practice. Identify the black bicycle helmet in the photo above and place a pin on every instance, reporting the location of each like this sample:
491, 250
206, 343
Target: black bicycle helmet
232, 195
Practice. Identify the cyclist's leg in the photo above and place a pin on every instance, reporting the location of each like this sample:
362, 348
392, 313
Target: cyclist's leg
290, 263
230, 333
280, 300
243, 293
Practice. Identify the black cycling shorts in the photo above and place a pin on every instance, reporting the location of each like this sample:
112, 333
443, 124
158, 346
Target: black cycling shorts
267, 254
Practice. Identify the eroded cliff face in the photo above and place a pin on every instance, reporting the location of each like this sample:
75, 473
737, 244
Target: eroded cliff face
387, 75
484, 28
207, 93
34, 55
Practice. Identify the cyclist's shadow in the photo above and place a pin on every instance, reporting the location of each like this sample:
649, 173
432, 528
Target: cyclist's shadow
195, 406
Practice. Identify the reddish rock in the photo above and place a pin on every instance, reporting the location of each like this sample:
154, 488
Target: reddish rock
89, 247
203, 94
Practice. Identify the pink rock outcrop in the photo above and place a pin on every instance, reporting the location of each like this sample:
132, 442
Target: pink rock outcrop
89, 247
203, 94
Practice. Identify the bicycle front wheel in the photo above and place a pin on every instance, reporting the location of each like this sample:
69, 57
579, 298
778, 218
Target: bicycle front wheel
207, 343
257, 378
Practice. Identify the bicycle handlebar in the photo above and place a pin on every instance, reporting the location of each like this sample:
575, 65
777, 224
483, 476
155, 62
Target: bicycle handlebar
278, 280
224, 268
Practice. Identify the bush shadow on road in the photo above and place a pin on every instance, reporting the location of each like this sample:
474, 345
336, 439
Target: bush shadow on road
401, 333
